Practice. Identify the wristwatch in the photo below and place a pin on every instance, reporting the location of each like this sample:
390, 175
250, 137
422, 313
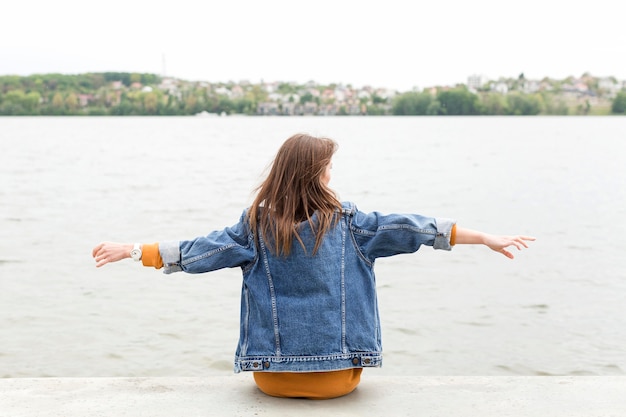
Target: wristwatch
136, 252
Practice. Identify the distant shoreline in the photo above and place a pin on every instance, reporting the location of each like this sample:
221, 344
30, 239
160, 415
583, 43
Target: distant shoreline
134, 94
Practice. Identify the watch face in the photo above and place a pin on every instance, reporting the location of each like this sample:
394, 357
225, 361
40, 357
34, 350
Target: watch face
135, 254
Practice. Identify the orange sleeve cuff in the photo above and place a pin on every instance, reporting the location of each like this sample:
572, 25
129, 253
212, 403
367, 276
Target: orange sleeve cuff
453, 235
150, 255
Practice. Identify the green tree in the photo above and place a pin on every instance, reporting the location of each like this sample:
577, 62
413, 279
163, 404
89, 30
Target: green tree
257, 94
434, 108
244, 106
150, 103
554, 104
135, 78
10, 82
58, 104
619, 103
222, 104
458, 101
494, 104
124, 108
411, 103
376, 99
524, 104
285, 88
191, 105
71, 103
31, 102
375, 110
12, 103
306, 97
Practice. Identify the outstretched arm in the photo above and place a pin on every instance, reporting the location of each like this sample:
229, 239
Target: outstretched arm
496, 243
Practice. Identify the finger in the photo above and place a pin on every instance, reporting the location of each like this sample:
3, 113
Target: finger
95, 250
507, 253
522, 240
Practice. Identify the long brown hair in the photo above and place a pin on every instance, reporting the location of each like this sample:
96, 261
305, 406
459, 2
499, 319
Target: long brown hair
293, 191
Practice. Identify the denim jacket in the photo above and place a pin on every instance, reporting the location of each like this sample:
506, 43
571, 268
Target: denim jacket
304, 312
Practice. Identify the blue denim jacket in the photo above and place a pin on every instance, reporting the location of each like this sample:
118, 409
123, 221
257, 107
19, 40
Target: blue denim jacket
304, 312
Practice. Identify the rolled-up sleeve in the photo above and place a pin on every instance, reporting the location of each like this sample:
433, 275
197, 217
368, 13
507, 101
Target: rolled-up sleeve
170, 254
379, 235
227, 248
443, 239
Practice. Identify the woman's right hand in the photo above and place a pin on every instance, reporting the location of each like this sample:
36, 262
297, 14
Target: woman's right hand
107, 252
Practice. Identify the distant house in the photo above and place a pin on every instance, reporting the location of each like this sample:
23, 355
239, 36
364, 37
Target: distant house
270, 87
476, 82
223, 91
363, 94
84, 99
500, 87
581, 87
237, 91
309, 108
288, 109
531, 86
267, 109
168, 84
386, 93
575, 89
608, 86
354, 109
340, 95
313, 91
328, 94
327, 110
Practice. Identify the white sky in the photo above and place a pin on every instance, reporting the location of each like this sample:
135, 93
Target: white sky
397, 44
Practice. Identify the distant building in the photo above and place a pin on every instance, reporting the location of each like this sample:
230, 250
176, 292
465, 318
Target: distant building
340, 94
237, 91
309, 109
531, 86
84, 99
267, 109
608, 86
500, 87
364, 94
476, 82
223, 91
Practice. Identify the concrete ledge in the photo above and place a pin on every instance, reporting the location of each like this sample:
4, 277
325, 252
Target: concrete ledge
376, 396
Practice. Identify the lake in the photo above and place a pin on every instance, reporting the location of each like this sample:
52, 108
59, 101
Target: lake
68, 183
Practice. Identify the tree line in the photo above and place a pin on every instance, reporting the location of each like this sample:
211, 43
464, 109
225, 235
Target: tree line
460, 101
121, 93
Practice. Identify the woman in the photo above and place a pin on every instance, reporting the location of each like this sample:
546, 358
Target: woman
309, 316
